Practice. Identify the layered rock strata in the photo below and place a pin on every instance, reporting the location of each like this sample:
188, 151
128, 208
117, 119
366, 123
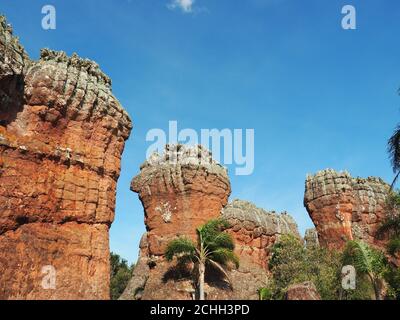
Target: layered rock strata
180, 190
255, 230
302, 291
180, 195
62, 133
345, 208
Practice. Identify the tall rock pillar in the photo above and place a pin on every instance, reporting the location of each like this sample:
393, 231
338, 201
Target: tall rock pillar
62, 133
345, 208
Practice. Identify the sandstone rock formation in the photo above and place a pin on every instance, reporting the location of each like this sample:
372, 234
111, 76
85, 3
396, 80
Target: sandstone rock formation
181, 190
62, 133
256, 230
303, 291
311, 238
345, 208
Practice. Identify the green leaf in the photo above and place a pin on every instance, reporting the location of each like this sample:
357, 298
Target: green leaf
181, 248
265, 294
224, 255
394, 246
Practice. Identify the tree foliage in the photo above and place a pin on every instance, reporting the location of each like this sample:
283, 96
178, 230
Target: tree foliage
213, 249
368, 262
394, 153
120, 274
291, 262
390, 229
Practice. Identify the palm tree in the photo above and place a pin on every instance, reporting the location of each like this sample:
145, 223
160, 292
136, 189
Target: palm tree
390, 227
367, 261
214, 248
394, 154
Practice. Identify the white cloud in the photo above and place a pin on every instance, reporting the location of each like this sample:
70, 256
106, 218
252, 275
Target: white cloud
185, 5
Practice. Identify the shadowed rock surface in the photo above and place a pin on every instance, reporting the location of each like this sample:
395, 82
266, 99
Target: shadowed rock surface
345, 208
62, 133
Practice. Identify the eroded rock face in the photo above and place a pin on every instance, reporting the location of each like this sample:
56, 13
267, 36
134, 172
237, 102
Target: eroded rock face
255, 230
62, 133
141, 273
194, 180
180, 190
311, 238
303, 291
345, 208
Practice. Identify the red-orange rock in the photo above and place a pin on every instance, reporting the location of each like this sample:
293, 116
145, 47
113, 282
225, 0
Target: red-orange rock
180, 195
345, 208
303, 291
180, 190
255, 230
62, 133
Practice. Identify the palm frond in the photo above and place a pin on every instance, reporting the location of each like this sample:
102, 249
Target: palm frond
221, 240
181, 247
212, 228
394, 181
390, 225
365, 259
224, 255
357, 253
216, 265
394, 149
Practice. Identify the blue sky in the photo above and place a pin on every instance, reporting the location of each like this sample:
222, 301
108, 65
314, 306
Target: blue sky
316, 95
